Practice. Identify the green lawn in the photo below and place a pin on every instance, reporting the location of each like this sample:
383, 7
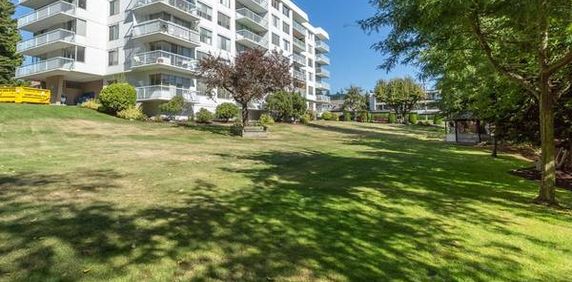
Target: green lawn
84, 196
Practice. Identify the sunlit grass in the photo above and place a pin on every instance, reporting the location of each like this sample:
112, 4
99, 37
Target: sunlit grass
84, 196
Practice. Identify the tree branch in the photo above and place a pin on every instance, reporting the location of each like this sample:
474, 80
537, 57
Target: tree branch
478, 32
562, 62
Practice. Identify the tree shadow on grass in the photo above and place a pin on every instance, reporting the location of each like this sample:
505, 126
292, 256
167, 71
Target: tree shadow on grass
214, 128
307, 216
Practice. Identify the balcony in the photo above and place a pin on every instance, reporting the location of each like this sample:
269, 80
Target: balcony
323, 98
299, 75
157, 30
179, 8
322, 46
163, 59
47, 42
251, 19
258, 6
322, 72
54, 14
322, 59
299, 59
48, 67
251, 39
164, 93
322, 85
301, 45
299, 30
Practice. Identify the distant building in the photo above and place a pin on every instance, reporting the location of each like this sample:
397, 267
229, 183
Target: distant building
427, 107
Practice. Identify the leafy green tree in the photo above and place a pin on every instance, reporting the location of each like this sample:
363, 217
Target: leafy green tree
173, 107
354, 101
286, 106
227, 111
400, 94
9, 37
527, 42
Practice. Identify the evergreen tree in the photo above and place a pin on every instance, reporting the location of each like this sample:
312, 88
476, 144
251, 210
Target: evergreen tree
9, 37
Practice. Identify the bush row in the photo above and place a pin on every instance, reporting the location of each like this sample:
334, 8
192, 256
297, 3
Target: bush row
365, 116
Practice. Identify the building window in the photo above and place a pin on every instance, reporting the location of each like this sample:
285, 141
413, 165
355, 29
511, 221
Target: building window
276, 4
275, 39
114, 7
113, 57
286, 27
82, 4
223, 43
223, 20
225, 3
276, 21
204, 11
286, 10
78, 53
113, 32
286, 45
206, 36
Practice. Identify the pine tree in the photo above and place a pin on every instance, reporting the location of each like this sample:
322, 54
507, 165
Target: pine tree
9, 37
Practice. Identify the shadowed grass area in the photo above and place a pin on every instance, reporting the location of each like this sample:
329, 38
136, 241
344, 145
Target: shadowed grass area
84, 196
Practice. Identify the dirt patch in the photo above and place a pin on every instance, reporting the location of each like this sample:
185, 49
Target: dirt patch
563, 179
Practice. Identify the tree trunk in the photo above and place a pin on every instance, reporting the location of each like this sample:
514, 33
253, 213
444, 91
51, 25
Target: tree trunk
244, 114
495, 146
547, 193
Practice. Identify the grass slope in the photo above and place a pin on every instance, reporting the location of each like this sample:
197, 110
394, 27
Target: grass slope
84, 196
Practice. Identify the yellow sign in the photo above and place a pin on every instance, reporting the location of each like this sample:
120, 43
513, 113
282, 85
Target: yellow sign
24, 95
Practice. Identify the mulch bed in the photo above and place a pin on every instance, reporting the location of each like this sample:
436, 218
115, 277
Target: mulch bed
563, 179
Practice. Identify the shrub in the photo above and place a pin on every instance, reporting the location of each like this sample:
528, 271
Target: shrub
236, 128
347, 116
413, 118
382, 117
306, 118
311, 114
363, 116
392, 118
117, 97
227, 111
204, 116
91, 104
286, 106
327, 116
173, 107
132, 113
437, 120
266, 120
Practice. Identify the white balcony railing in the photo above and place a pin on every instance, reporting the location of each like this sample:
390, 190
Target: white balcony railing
251, 36
165, 58
46, 12
322, 58
183, 5
323, 98
322, 85
300, 75
300, 59
322, 45
245, 12
323, 72
165, 27
299, 27
164, 92
46, 65
46, 38
299, 43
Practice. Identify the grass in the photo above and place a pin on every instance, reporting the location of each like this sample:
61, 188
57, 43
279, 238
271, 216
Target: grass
84, 196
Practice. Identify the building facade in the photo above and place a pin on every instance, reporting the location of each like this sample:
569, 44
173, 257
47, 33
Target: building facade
77, 47
425, 108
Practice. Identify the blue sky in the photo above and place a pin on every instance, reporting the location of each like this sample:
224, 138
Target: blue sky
353, 61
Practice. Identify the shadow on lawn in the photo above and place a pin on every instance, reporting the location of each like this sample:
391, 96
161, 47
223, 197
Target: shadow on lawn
214, 128
308, 216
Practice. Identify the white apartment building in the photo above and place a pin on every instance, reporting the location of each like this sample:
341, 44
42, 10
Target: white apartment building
76, 47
